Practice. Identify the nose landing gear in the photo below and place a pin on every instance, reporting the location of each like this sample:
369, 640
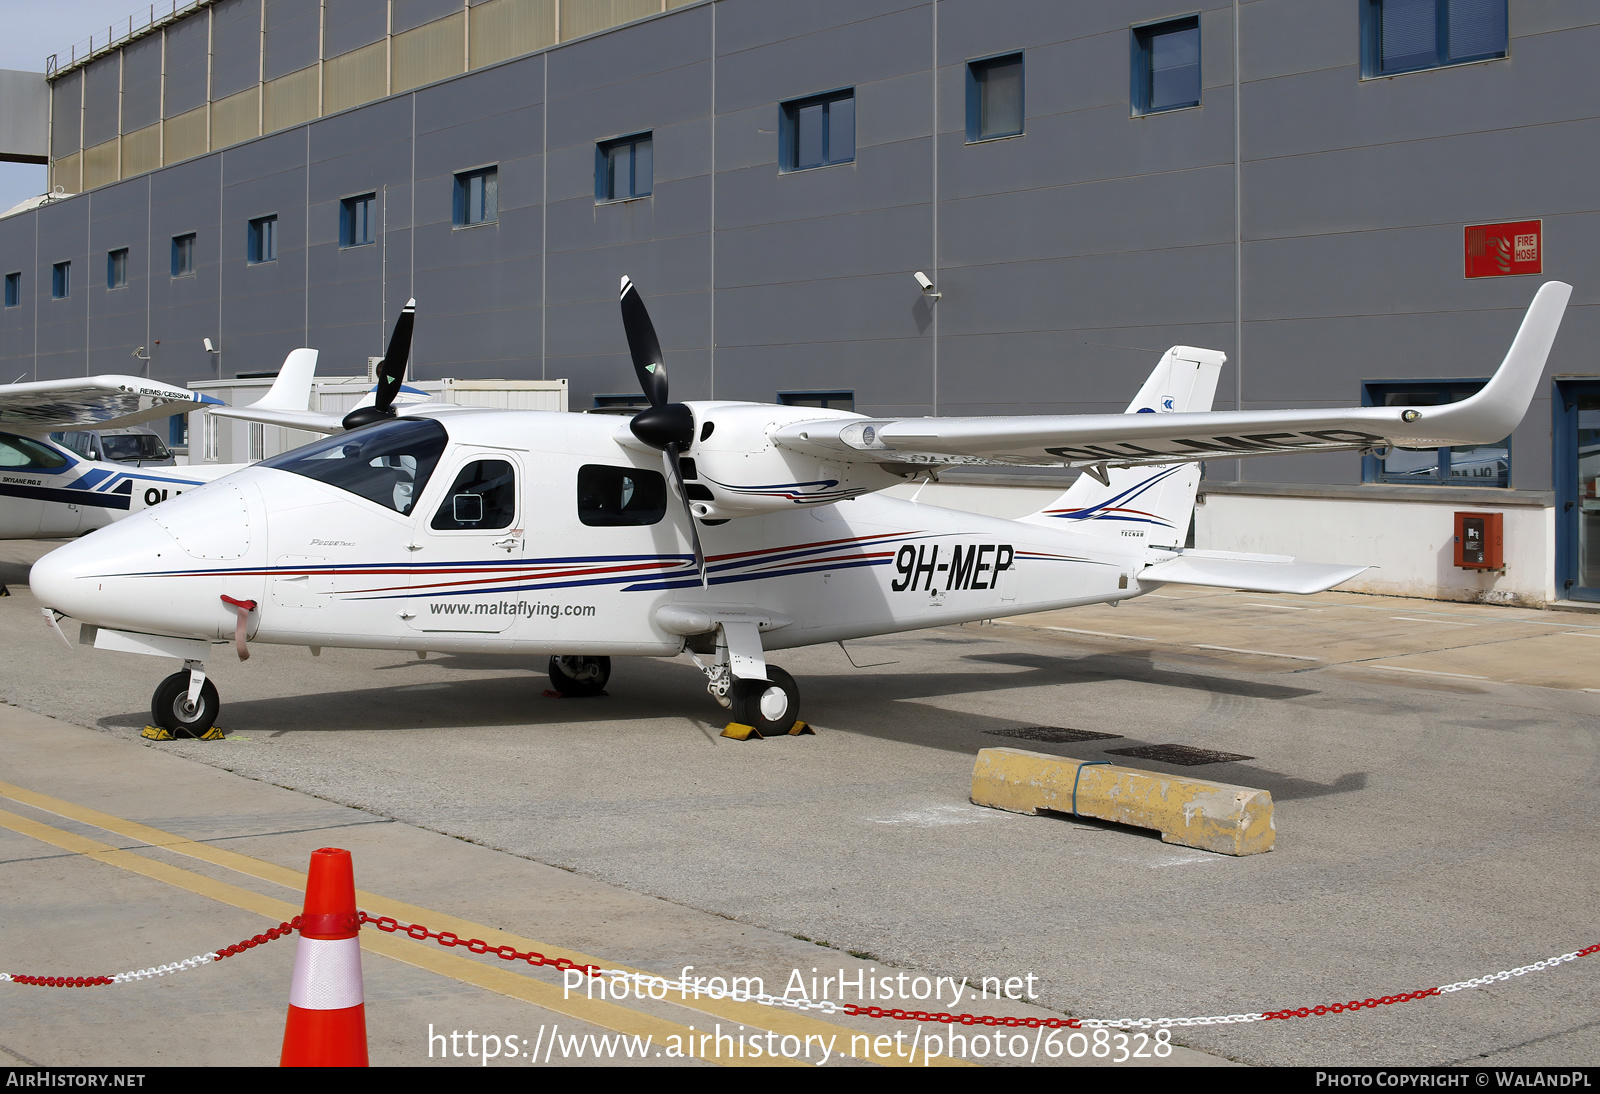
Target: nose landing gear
580, 677
185, 704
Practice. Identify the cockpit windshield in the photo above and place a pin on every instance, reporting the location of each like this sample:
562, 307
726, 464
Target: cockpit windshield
388, 462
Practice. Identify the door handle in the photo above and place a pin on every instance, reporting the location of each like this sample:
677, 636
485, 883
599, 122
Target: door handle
509, 543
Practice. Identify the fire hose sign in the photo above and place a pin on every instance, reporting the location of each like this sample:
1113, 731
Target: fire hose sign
1505, 250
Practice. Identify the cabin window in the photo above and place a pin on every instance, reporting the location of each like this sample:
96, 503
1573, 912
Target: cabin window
613, 496
26, 453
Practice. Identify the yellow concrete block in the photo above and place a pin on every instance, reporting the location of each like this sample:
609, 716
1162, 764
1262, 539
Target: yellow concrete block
1233, 820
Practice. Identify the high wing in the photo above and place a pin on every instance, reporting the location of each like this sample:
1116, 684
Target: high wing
1098, 441
108, 401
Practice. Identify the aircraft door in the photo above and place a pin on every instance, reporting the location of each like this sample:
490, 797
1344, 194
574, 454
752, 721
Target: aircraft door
468, 545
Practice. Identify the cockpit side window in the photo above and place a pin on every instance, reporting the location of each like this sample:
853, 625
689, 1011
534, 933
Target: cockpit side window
25, 453
388, 463
484, 496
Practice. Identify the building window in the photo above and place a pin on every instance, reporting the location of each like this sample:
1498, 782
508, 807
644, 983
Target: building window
61, 281
256, 441
1464, 465
178, 432
1408, 35
830, 400
183, 255
263, 240
117, 268
624, 168
13, 289
1166, 65
994, 98
477, 197
358, 220
819, 131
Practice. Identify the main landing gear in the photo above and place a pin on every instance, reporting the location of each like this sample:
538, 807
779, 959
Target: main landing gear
759, 696
185, 704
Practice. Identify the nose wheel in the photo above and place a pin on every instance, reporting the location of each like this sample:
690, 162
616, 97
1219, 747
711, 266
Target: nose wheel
580, 677
772, 705
173, 709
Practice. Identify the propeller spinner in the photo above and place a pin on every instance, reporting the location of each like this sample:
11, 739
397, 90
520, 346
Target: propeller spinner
391, 372
663, 425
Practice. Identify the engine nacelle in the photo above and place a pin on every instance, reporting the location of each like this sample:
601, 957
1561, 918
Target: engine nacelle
739, 472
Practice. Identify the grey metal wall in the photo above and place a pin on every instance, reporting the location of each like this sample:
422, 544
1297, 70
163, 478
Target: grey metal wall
1068, 257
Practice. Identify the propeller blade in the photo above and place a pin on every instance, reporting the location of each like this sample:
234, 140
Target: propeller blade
643, 345
688, 510
392, 370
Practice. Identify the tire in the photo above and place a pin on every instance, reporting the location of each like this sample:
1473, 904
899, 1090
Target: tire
580, 677
169, 706
772, 705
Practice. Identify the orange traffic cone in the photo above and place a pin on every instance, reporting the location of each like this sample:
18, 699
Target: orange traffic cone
327, 1024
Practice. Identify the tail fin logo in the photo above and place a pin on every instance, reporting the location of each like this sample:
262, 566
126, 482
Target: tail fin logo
1166, 402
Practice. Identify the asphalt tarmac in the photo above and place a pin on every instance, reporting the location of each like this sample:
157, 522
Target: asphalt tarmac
1434, 813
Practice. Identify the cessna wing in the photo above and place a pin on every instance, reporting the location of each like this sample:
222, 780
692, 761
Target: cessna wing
1099, 441
108, 402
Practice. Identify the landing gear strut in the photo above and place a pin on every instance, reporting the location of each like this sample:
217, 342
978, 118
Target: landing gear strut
579, 677
185, 704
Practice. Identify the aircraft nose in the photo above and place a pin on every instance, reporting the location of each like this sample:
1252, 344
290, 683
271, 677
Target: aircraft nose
136, 575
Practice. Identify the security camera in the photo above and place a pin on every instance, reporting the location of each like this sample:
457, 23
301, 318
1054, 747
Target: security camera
209, 347
922, 281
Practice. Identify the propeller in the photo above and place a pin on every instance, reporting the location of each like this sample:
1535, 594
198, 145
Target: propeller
663, 425
391, 372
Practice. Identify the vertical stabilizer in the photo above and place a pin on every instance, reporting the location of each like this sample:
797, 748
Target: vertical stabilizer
1151, 504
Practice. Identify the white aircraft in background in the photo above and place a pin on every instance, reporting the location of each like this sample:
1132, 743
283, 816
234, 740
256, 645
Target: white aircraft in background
49, 491
466, 529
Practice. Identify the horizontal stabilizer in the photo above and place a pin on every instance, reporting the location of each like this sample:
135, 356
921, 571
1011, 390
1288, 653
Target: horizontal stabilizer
1251, 573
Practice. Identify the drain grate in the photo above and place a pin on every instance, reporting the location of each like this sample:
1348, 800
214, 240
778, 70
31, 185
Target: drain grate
1055, 735
1182, 755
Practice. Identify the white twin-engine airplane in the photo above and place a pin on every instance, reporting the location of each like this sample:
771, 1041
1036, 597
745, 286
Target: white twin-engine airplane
464, 529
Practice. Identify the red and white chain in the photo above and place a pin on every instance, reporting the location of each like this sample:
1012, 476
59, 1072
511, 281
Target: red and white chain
136, 975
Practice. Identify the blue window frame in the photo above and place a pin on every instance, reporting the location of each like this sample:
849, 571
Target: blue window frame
624, 168
358, 220
818, 132
477, 197
263, 241
994, 98
1166, 65
1463, 465
13, 289
117, 268
183, 255
1411, 35
831, 400
61, 281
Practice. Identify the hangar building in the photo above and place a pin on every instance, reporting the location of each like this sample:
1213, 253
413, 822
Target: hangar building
1367, 198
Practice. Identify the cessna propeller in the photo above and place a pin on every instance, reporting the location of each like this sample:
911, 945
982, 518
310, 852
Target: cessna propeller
391, 372
662, 425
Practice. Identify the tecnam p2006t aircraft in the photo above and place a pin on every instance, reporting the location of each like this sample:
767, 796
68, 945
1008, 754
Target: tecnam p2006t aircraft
728, 530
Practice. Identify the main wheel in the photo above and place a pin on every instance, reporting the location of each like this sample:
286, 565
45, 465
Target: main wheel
171, 710
579, 677
771, 705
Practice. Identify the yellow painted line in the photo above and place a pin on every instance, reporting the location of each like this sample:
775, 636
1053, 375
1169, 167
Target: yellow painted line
748, 1013
1441, 622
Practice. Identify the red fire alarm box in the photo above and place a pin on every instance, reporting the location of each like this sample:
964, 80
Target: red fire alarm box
1480, 541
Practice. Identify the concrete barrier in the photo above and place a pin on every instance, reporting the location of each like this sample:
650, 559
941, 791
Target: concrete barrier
1233, 820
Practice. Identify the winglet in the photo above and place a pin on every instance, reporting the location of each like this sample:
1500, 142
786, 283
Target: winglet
1496, 410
